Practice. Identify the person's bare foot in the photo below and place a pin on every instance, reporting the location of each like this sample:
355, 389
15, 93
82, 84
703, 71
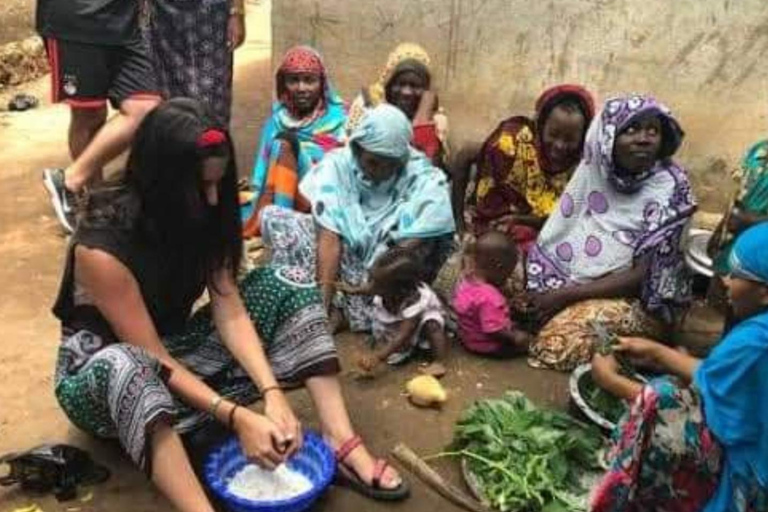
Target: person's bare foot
436, 370
362, 463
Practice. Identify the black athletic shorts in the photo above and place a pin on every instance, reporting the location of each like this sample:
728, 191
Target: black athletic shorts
87, 75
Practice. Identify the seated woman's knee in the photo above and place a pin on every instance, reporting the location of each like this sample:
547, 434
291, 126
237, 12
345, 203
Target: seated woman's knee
131, 360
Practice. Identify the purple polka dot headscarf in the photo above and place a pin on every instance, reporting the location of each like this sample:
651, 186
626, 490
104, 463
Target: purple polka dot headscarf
602, 225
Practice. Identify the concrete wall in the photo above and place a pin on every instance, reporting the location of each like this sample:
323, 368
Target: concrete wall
706, 59
16, 19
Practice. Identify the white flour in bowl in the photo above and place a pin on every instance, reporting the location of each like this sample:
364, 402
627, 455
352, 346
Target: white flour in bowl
257, 484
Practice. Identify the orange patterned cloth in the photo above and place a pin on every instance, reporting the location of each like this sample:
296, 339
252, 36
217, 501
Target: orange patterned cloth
568, 340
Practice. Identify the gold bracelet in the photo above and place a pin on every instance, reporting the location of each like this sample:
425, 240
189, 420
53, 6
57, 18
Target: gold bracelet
215, 403
236, 11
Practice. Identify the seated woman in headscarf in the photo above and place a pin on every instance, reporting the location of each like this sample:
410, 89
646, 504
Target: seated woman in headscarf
406, 82
376, 193
307, 121
698, 440
610, 251
749, 208
524, 165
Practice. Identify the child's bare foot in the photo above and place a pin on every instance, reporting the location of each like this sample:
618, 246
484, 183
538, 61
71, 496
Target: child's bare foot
436, 370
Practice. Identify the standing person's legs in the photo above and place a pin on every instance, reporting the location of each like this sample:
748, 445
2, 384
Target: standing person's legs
109, 142
85, 76
133, 92
83, 125
79, 78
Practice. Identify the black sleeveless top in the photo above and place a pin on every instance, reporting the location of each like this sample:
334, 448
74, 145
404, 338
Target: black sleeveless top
110, 225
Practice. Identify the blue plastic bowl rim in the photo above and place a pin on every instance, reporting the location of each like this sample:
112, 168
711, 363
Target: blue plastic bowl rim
222, 491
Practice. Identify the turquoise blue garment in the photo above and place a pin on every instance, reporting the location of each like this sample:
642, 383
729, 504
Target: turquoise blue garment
316, 136
748, 257
414, 203
753, 196
385, 132
733, 382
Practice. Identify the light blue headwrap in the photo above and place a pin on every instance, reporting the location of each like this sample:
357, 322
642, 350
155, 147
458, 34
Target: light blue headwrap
748, 258
733, 383
385, 131
414, 203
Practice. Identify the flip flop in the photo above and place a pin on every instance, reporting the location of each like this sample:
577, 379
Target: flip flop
59, 469
347, 477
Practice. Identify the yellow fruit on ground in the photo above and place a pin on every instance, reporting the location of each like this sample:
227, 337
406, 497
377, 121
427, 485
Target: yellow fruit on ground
426, 391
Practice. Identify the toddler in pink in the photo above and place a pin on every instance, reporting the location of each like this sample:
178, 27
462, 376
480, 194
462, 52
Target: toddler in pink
481, 309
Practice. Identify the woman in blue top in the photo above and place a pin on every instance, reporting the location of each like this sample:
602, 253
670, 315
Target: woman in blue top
698, 441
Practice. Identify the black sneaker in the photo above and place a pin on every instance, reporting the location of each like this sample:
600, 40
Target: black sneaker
63, 200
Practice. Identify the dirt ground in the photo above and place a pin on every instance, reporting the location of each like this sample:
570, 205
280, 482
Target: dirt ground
31, 251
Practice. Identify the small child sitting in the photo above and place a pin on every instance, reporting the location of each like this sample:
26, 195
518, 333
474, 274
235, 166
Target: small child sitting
406, 314
481, 309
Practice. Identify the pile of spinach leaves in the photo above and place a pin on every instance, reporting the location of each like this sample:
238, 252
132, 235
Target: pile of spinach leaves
601, 401
527, 458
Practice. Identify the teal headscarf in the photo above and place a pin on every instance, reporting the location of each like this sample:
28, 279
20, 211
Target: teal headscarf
752, 198
370, 217
733, 383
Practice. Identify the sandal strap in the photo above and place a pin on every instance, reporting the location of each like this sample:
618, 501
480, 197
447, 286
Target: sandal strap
379, 468
348, 447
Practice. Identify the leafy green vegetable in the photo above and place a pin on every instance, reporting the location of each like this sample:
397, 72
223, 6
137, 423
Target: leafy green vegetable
599, 400
606, 345
527, 458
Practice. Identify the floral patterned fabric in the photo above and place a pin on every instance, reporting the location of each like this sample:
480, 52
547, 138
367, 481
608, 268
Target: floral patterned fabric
513, 173
664, 458
291, 237
188, 41
568, 339
606, 220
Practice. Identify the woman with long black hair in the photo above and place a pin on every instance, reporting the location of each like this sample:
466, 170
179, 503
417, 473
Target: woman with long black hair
133, 364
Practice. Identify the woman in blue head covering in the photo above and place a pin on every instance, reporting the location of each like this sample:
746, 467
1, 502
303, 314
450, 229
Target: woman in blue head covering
376, 193
698, 441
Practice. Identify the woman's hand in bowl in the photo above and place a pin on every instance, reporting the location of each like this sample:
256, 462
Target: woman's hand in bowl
277, 409
259, 438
